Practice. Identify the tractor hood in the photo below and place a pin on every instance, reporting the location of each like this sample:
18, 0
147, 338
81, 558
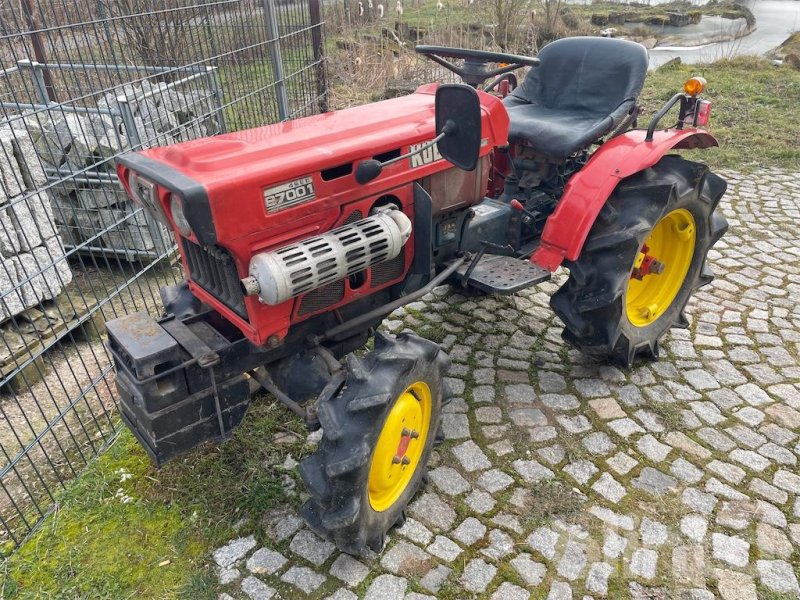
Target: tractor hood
240, 171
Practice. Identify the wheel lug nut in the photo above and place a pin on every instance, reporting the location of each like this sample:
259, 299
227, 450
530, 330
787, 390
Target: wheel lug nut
396, 460
414, 434
405, 432
406, 460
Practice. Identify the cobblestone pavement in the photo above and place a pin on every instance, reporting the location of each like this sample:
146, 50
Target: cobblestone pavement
562, 478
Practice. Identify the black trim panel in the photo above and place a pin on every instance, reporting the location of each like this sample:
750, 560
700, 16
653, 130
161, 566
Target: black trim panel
196, 206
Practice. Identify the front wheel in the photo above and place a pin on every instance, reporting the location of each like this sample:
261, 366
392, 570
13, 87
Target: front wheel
378, 433
644, 258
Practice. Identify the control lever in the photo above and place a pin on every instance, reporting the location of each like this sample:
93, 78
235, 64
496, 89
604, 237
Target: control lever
517, 205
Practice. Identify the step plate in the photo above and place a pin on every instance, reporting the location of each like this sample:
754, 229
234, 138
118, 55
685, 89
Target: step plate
505, 275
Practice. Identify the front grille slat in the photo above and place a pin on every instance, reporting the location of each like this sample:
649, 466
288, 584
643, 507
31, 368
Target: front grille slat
213, 269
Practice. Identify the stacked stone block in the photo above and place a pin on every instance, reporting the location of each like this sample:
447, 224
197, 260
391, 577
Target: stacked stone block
99, 216
32, 263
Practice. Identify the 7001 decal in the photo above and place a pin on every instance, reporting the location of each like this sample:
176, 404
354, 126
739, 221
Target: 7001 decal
286, 195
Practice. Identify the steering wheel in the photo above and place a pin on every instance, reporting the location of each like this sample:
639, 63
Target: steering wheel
474, 71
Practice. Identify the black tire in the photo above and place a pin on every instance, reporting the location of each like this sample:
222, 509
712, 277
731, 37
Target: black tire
592, 303
337, 474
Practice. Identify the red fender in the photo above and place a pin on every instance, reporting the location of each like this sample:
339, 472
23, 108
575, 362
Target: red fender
568, 227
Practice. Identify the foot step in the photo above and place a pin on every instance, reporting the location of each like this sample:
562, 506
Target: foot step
505, 275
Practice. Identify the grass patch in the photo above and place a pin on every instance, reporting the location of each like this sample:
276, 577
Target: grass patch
548, 500
126, 530
753, 116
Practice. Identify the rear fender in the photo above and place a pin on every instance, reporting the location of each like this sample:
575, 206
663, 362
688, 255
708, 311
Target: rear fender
586, 193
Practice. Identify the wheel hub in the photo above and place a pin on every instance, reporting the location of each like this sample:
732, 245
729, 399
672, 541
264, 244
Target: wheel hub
661, 267
400, 445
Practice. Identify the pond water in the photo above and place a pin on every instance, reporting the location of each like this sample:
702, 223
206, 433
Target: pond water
775, 21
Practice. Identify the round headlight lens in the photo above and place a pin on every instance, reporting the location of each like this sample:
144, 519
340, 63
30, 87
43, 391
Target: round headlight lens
176, 207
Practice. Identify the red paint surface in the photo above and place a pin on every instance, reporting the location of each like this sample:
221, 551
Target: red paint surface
235, 169
587, 191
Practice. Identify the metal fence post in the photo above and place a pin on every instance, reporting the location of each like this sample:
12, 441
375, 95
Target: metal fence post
216, 88
38, 79
315, 8
270, 18
128, 120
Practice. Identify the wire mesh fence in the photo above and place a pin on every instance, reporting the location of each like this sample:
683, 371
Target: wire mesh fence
82, 82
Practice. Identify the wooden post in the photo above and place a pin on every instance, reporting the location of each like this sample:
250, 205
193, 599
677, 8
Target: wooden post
38, 49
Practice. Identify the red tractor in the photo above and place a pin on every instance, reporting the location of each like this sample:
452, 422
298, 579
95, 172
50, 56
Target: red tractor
299, 238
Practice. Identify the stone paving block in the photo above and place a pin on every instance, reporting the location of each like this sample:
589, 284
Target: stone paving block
532, 471
311, 547
733, 585
386, 587
233, 551
349, 570
471, 456
433, 512
444, 548
265, 561
477, 575
509, 591
543, 540
303, 578
643, 563
257, 589
406, 559
435, 578
531, 572
572, 561
655, 482
730, 549
449, 481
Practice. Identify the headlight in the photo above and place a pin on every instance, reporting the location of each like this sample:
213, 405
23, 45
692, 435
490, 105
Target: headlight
176, 207
144, 192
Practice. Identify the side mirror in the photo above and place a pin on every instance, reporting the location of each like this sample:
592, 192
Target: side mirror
458, 117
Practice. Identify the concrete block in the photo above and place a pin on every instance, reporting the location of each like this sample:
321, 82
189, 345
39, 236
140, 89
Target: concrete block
101, 197
31, 286
25, 223
11, 183
48, 262
9, 242
58, 136
30, 166
33, 219
57, 252
126, 231
11, 302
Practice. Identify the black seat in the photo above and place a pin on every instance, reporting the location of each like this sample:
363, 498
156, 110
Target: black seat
581, 90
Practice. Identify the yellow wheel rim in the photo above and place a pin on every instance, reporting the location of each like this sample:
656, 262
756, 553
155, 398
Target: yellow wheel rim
400, 445
671, 244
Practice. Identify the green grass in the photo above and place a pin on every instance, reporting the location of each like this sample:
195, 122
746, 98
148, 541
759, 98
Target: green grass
753, 115
99, 544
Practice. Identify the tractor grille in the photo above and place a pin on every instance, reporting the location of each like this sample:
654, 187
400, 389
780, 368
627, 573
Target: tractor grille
391, 269
213, 269
321, 298
352, 218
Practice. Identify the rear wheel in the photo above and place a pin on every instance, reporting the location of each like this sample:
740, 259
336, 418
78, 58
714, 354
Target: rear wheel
378, 433
643, 259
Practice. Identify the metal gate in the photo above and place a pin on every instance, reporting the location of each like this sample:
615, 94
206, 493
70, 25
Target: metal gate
82, 82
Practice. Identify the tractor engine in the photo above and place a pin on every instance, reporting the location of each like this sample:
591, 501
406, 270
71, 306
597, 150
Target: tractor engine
282, 238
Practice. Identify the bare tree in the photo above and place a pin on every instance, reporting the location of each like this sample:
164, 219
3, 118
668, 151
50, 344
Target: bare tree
551, 15
158, 31
508, 16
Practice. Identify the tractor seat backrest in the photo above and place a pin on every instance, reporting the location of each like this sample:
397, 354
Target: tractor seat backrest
588, 75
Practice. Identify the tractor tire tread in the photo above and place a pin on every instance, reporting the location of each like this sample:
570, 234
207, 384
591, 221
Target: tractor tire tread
591, 303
